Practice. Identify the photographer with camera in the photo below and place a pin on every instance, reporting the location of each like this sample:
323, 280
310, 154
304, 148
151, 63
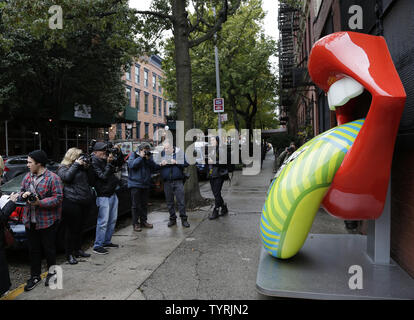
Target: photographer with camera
172, 166
43, 192
77, 200
140, 165
105, 183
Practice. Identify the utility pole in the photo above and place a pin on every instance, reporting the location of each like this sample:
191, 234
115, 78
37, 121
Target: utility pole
217, 70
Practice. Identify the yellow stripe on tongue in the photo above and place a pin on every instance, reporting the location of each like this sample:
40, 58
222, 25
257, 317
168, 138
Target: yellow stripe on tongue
297, 192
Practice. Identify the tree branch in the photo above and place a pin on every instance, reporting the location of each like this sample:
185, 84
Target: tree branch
222, 17
156, 14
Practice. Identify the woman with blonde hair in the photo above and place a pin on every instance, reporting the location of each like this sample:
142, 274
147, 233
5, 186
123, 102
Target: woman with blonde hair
77, 200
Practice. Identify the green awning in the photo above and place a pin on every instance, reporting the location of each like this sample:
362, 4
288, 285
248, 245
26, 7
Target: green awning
131, 114
84, 114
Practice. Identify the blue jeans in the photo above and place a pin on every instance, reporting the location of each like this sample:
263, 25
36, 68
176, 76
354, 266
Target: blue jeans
107, 215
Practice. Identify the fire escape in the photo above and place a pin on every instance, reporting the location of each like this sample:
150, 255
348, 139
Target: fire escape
292, 72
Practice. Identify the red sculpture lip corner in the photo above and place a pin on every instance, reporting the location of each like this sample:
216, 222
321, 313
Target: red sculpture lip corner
352, 68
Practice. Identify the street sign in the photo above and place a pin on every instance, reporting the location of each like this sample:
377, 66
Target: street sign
223, 117
218, 104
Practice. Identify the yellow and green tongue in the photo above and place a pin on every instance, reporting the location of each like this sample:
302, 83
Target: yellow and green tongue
295, 195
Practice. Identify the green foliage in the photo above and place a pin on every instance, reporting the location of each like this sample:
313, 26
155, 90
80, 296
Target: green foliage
47, 69
245, 73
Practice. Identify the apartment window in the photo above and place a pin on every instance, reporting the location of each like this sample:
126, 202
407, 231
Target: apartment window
165, 108
138, 132
154, 105
128, 93
154, 82
137, 70
146, 78
146, 102
159, 85
137, 98
160, 106
128, 74
146, 129
118, 131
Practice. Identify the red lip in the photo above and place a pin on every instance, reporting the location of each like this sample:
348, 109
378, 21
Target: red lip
360, 185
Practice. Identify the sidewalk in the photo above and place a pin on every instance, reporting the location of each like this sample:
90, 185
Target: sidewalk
210, 260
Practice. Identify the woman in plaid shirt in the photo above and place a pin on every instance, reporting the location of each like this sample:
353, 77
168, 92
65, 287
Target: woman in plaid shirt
41, 216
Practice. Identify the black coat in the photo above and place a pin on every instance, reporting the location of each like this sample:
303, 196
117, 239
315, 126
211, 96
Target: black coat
103, 176
76, 184
4, 216
4, 270
217, 170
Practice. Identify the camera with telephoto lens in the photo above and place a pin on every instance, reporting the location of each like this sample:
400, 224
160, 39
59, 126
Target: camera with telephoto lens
31, 197
147, 153
117, 155
86, 158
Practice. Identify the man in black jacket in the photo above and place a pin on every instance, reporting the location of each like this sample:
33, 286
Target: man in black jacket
105, 183
172, 166
140, 166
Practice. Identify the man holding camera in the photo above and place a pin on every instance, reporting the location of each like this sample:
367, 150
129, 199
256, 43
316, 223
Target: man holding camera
43, 192
172, 166
140, 165
105, 183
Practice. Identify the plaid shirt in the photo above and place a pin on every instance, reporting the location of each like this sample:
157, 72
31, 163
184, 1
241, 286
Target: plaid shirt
50, 193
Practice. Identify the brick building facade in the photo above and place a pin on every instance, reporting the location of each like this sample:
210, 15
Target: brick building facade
148, 108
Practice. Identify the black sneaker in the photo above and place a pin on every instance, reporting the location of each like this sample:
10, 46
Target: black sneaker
185, 224
100, 250
224, 210
172, 222
31, 283
111, 245
81, 254
214, 214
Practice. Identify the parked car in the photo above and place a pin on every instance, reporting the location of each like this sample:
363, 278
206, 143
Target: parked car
16, 165
18, 229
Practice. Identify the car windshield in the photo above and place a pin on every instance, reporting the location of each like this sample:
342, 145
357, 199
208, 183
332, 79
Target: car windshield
13, 185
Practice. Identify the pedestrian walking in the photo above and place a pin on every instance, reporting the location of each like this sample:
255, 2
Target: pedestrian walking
77, 201
6, 208
105, 183
140, 166
217, 173
43, 192
172, 173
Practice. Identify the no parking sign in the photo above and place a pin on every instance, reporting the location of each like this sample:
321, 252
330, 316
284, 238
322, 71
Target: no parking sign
218, 104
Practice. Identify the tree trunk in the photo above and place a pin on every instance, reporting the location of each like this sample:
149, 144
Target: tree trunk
184, 91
